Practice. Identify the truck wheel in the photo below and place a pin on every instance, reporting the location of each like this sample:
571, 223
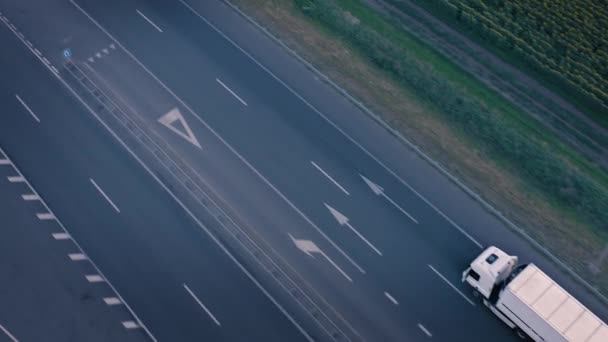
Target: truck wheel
522, 335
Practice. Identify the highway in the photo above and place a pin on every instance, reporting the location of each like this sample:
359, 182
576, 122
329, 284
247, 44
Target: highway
227, 193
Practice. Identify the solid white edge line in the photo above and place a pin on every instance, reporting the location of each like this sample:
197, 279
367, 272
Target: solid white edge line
28, 45
451, 285
27, 107
329, 177
149, 21
104, 195
230, 91
425, 330
202, 305
7, 333
391, 298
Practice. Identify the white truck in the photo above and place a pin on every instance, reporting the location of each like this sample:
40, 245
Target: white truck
530, 302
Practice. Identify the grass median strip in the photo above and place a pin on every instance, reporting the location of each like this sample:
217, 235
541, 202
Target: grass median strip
559, 197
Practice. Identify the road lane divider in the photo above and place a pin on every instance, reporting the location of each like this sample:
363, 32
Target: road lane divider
149, 21
61, 236
15, 179
425, 330
130, 325
94, 278
25, 105
104, 195
30, 197
231, 92
8, 334
200, 303
329, 177
391, 298
45, 216
77, 256
112, 300
451, 285
5, 161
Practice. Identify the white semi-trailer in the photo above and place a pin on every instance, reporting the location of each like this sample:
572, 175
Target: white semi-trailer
530, 302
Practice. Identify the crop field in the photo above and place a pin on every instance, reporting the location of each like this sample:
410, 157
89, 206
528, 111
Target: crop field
565, 40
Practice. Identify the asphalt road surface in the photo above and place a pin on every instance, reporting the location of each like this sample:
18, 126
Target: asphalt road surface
226, 192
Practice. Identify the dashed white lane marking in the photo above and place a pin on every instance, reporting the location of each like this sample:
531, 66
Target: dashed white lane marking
5, 162
149, 21
77, 256
130, 325
391, 298
104, 195
94, 278
27, 107
7, 333
29, 43
329, 177
37, 52
61, 236
112, 301
30, 197
451, 285
55, 69
16, 179
230, 91
45, 216
202, 305
425, 330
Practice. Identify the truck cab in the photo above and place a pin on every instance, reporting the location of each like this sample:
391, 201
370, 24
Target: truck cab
491, 268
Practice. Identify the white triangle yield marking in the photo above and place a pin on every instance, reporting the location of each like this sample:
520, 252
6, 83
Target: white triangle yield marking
175, 115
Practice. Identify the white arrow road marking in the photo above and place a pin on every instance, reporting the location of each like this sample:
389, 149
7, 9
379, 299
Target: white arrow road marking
310, 248
343, 221
175, 115
379, 191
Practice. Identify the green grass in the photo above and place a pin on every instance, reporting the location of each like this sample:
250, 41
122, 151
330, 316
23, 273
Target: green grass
454, 74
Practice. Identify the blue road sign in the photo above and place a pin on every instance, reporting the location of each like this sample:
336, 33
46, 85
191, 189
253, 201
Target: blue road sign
67, 53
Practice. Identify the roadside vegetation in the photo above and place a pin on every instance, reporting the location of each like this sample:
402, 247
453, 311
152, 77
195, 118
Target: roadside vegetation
556, 195
565, 41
